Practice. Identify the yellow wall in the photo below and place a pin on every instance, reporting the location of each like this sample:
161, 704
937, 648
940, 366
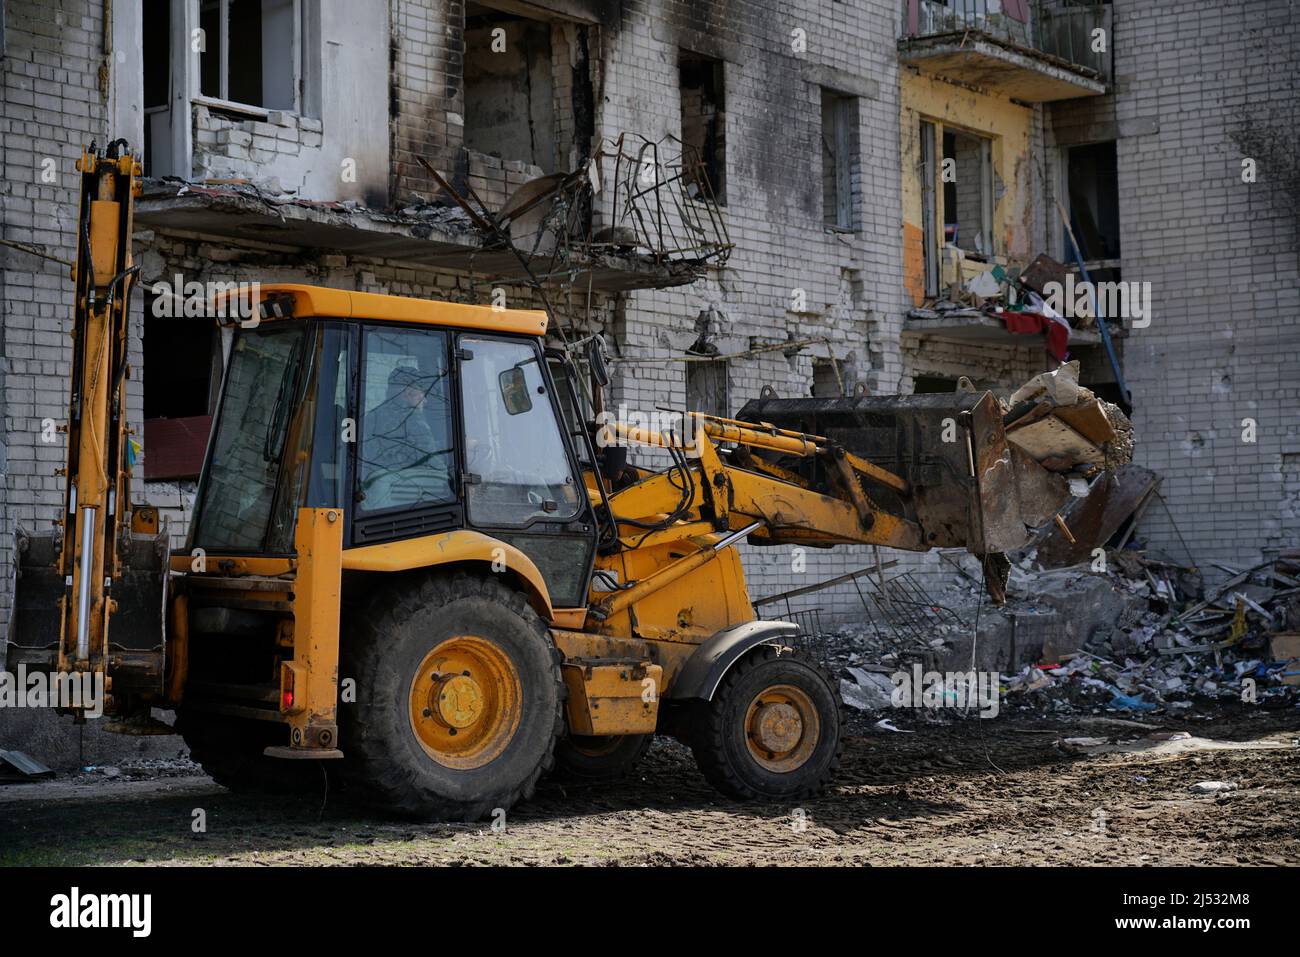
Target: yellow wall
1007, 124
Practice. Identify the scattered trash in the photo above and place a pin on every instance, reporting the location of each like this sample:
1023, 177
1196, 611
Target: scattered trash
1212, 787
15, 767
886, 725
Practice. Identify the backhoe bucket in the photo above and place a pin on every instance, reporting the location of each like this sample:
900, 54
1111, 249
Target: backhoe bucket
966, 485
137, 630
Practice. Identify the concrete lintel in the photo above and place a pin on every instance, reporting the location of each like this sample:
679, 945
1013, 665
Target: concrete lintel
841, 81
576, 11
1139, 126
697, 42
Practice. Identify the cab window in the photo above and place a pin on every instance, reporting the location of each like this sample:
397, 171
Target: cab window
517, 468
405, 455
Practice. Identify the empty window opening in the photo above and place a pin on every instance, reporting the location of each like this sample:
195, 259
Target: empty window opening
510, 88
933, 385
157, 88
704, 124
706, 387
251, 52
827, 379
182, 380
967, 177
1092, 180
839, 158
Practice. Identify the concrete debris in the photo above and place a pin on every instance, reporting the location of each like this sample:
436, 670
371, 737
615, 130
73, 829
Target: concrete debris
1142, 639
1169, 649
867, 691
1064, 427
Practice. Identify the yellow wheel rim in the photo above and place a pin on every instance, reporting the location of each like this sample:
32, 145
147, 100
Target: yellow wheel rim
465, 702
782, 728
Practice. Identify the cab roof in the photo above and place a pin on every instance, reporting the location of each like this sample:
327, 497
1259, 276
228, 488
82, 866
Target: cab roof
323, 302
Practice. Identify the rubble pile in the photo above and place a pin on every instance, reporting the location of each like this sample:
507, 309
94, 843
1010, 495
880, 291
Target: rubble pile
1237, 643
1142, 636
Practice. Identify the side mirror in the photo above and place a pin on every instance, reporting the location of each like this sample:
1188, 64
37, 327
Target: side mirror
596, 361
514, 391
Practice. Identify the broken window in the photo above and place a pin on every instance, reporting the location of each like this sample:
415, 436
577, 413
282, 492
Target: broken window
157, 88
933, 384
929, 208
510, 106
839, 158
703, 124
827, 379
967, 176
1092, 184
251, 52
182, 363
706, 387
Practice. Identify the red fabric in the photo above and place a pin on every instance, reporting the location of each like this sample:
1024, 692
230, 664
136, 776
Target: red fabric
173, 448
1016, 9
1029, 323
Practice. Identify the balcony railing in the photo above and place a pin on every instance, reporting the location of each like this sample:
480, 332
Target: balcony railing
1058, 30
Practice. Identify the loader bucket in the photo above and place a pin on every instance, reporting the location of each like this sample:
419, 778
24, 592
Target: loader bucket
967, 486
137, 630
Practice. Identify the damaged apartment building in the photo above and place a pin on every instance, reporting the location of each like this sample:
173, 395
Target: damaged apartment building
736, 195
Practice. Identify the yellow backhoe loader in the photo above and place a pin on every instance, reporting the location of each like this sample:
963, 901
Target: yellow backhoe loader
417, 552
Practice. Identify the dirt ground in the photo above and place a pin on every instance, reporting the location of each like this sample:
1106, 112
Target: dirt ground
1007, 791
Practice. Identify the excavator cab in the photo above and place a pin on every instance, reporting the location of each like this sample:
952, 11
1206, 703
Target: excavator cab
408, 428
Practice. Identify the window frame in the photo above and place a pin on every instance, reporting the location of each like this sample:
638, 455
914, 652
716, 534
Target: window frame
222, 100
584, 511
357, 399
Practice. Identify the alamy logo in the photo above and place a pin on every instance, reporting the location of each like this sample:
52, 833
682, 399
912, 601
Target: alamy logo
82, 690
73, 910
948, 689
198, 300
1116, 300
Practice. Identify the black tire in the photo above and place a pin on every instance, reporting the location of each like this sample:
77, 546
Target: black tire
383, 649
585, 759
719, 737
230, 752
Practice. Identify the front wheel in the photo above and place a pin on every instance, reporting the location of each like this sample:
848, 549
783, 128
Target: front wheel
772, 730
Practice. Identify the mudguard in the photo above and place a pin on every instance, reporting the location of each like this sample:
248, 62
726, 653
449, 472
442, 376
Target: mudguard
705, 669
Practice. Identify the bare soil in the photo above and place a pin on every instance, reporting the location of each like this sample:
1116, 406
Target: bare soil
959, 792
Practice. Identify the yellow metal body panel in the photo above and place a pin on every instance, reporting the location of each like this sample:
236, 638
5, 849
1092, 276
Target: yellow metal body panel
322, 302
702, 601
234, 565
611, 696
670, 656
462, 545
316, 601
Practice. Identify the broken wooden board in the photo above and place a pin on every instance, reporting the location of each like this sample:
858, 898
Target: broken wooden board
1089, 420
1051, 438
1095, 518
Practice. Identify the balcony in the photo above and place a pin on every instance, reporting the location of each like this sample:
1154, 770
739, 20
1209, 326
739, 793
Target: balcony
1034, 51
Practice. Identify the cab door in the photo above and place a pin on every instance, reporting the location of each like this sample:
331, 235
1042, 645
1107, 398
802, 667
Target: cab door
520, 476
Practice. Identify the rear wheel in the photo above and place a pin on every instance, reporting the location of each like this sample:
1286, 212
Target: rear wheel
772, 730
581, 757
459, 698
